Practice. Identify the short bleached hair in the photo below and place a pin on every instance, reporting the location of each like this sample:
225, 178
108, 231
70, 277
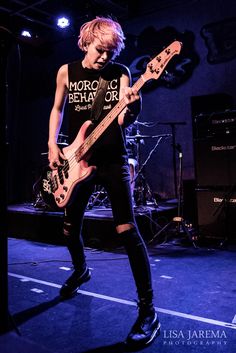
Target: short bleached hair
108, 31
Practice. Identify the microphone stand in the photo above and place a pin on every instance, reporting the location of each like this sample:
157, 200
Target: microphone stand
178, 221
173, 124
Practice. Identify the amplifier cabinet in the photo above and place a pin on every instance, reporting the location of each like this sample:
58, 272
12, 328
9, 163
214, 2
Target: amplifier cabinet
216, 213
215, 161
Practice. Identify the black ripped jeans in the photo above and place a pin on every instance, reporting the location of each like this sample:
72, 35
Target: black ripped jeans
115, 178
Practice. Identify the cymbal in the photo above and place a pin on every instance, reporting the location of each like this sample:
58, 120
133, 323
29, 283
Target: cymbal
147, 136
62, 135
62, 144
137, 137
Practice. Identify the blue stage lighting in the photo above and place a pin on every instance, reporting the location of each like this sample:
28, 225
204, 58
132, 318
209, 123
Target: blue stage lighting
63, 22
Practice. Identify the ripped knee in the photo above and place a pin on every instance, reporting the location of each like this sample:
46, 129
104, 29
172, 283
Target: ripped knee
67, 228
131, 238
124, 227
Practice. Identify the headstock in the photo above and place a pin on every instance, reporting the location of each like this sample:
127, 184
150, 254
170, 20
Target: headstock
156, 66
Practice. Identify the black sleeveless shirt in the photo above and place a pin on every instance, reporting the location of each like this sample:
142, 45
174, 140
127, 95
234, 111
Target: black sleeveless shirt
83, 84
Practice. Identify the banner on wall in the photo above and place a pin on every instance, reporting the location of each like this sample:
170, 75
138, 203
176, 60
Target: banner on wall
151, 41
220, 39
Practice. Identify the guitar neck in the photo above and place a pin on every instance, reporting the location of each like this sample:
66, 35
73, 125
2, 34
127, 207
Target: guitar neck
106, 122
154, 70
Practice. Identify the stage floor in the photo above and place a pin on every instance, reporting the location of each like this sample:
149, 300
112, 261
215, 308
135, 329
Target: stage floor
194, 295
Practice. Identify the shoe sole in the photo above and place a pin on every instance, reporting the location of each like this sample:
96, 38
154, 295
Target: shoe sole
154, 335
138, 346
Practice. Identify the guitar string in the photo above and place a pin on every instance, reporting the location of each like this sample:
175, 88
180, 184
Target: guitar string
77, 156
73, 160
136, 85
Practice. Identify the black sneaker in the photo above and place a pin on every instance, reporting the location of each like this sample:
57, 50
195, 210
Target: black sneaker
72, 284
144, 331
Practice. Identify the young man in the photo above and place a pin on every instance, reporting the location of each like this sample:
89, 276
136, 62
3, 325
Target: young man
101, 40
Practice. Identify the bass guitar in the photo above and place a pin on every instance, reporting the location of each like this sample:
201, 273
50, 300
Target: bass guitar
57, 186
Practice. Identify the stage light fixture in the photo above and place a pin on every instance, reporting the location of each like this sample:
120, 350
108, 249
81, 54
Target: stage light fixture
63, 22
26, 33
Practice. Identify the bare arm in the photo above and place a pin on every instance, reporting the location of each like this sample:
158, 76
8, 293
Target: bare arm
132, 99
56, 117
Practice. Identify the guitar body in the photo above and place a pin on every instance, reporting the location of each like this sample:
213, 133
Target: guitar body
57, 185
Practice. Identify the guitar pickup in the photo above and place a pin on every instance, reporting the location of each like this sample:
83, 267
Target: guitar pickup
66, 169
60, 174
54, 184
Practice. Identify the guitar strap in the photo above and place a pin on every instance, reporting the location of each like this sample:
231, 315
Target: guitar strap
98, 101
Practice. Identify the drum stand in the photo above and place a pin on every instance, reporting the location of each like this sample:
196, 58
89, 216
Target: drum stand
178, 221
98, 198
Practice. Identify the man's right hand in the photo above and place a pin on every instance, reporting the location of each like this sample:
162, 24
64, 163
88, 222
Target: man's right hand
55, 156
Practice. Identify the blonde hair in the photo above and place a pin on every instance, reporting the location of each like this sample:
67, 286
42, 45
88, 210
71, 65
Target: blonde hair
108, 31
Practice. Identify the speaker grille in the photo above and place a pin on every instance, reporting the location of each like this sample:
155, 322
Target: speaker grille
215, 161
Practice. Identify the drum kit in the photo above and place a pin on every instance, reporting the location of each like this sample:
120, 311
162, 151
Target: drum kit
141, 192
140, 189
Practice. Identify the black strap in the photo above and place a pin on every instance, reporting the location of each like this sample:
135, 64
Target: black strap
98, 101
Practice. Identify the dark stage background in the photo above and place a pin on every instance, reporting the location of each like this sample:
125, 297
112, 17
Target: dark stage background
195, 100
202, 78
